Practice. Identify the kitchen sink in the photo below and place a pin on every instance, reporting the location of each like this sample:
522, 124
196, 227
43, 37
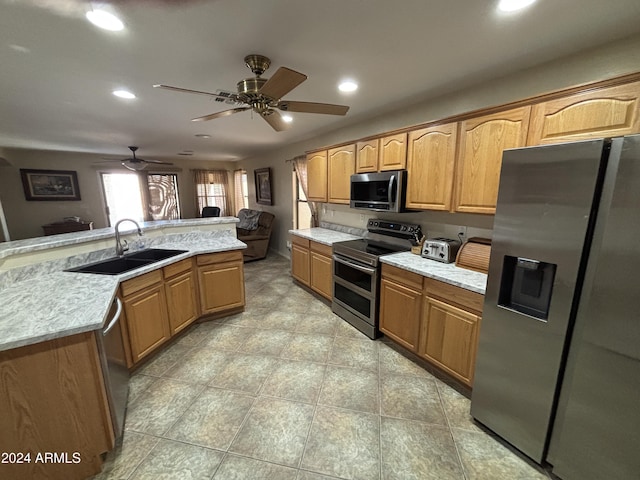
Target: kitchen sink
114, 266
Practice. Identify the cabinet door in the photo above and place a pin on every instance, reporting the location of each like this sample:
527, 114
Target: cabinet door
221, 287
182, 302
431, 156
449, 338
317, 176
300, 263
393, 152
342, 164
147, 320
321, 274
608, 112
367, 156
400, 313
482, 141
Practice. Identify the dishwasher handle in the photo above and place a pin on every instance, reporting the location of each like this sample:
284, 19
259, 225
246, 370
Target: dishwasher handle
115, 318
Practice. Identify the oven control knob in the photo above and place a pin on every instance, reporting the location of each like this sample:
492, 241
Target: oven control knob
403, 228
375, 224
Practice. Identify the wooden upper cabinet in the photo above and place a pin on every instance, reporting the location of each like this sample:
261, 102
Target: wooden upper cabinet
431, 156
342, 164
612, 111
367, 156
393, 152
482, 141
317, 176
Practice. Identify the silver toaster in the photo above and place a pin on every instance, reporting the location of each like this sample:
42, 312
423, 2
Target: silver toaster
441, 249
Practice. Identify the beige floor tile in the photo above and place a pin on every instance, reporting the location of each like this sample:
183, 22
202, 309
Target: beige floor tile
411, 398
275, 431
242, 468
226, 336
245, 373
199, 366
308, 346
175, 460
297, 381
266, 342
457, 408
125, 458
485, 458
138, 383
416, 450
213, 419
164, 360
350, 388
394, 363
320, 323
343, 443
355, 352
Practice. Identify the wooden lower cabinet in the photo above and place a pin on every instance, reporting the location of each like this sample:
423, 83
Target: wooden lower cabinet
182, 301
221, 282
53, 399
321, 269
300, 266
400, 313
147, 320
312, 265
449, 338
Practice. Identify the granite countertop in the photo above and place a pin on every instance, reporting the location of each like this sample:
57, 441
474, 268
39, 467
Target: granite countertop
324, 235
58, 304
445, 272
42, 243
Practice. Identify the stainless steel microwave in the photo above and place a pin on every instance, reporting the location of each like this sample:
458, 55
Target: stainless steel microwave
381, 192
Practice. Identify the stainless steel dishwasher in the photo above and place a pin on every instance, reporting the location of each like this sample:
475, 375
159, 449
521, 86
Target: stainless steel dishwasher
114, 367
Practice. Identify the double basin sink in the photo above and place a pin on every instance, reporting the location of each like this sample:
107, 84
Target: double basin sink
131, 261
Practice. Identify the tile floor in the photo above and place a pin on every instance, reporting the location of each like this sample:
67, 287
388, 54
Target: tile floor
286, 390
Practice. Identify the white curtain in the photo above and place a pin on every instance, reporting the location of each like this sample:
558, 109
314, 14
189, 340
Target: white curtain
211, 190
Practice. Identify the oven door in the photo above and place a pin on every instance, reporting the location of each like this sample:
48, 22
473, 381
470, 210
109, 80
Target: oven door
355, 287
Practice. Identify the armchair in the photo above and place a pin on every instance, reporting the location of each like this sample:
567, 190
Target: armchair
254, 229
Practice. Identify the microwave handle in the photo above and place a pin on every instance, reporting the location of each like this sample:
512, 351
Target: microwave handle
392, 180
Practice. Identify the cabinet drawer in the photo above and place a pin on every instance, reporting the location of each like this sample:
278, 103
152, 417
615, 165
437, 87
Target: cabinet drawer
458, 296
176, 268
403, 277
303, 242
135, 284
325, 250
219, 257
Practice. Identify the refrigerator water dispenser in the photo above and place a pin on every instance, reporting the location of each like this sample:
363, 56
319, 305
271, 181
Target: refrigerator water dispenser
526, 286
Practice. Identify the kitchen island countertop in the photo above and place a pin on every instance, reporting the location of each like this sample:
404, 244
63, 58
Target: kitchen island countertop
58, 304
324, 235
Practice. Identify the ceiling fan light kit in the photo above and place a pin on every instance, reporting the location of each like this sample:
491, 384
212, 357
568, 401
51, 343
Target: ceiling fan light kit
137, 164
263, 96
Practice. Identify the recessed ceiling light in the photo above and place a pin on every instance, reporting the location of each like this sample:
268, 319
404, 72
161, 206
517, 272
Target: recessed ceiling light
202, 135
105, 20
124, 94
348, 86
513, 5
287, 118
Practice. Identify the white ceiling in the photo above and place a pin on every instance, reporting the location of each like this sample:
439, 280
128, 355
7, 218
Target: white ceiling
57, 71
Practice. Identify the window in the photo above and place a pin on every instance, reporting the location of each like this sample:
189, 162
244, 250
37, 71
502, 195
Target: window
126, 196
241, 192
211, 190
301, 210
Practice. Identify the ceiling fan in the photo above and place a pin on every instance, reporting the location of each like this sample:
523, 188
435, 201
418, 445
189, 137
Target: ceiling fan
136, 164
264, 96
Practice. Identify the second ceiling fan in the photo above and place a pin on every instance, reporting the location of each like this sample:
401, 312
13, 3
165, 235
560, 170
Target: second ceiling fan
264, 96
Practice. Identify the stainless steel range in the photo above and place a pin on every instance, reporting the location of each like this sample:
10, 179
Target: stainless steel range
356, 271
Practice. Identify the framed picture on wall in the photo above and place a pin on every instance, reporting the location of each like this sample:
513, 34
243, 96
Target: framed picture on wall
50, 184
263, 186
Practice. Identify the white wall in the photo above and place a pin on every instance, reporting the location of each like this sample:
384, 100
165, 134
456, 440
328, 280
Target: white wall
608, 61
25, 218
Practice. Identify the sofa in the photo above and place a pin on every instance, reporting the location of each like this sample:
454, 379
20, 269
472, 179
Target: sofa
254, 229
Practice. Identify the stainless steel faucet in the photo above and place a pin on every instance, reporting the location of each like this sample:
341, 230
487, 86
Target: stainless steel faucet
122, 245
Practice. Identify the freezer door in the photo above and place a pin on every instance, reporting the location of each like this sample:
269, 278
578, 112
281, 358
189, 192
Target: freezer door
542, 221
597, 430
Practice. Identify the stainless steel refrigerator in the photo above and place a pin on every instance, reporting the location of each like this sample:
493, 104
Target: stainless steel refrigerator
558, 367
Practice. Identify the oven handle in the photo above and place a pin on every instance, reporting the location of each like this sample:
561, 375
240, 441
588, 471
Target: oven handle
344, 261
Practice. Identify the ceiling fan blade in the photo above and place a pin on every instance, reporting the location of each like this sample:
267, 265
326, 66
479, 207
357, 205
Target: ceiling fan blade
282, 82
224, 113
312, 107
197, 92
275, 120
156, 161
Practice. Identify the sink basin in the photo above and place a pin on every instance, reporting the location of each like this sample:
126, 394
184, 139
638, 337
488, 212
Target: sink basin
114, 266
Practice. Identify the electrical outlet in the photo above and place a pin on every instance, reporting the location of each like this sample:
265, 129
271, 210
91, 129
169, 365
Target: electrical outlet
289, 244
362, 217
